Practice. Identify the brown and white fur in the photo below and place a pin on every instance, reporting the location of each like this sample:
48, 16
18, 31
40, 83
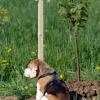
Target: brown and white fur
35, 69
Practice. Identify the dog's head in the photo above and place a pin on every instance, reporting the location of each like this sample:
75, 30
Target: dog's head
37, 68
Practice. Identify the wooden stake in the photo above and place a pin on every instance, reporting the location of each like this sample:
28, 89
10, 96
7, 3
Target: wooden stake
40, 30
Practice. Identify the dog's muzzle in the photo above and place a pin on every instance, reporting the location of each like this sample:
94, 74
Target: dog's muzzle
27, 72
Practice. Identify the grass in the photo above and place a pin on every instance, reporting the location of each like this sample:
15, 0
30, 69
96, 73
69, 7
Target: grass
18, 44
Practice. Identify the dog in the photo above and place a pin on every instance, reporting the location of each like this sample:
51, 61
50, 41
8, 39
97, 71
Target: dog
49, 86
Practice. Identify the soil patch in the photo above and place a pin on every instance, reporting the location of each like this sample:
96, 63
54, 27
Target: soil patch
87, 88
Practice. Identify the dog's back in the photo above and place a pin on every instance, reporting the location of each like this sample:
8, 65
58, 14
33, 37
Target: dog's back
57, 88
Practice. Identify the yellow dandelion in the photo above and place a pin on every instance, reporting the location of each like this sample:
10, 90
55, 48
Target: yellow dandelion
4, 61
5, 19
24, 88
97, 67
62, 76
8, 50
3, 10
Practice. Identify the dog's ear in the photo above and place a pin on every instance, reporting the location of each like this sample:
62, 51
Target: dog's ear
44, 68
34, 64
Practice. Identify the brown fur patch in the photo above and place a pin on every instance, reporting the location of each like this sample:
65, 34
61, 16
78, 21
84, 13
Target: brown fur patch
43, 82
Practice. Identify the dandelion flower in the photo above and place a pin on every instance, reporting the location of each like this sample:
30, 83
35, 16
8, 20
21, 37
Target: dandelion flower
97, 67
5, 19
25, 88
62, 76
4, 61
8, 50
3, 10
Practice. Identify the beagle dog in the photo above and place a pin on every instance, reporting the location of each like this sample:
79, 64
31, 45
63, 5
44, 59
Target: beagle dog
49, 86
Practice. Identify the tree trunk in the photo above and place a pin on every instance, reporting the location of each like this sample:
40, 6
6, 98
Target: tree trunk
77, 52
40, 30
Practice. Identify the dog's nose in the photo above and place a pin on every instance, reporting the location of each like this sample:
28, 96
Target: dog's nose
27, 72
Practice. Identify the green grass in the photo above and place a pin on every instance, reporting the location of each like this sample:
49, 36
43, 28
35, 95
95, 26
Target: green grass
20, 35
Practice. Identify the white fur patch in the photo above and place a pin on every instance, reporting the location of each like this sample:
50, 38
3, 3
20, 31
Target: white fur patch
27, 72
39, 94
44, 98
34, 67
30, 72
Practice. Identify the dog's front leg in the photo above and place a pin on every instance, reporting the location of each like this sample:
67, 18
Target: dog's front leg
39, 94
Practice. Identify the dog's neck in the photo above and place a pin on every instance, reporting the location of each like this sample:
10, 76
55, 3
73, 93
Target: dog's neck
44, 80
48, 74
44, 76
42, 72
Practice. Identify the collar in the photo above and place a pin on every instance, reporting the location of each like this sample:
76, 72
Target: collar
47, 74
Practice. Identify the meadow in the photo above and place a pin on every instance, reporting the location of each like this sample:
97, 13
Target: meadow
18, 44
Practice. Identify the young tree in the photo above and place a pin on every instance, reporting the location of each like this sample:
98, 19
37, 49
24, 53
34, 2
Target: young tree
75, 12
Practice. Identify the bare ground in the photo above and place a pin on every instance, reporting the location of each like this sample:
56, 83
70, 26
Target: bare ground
87, 88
